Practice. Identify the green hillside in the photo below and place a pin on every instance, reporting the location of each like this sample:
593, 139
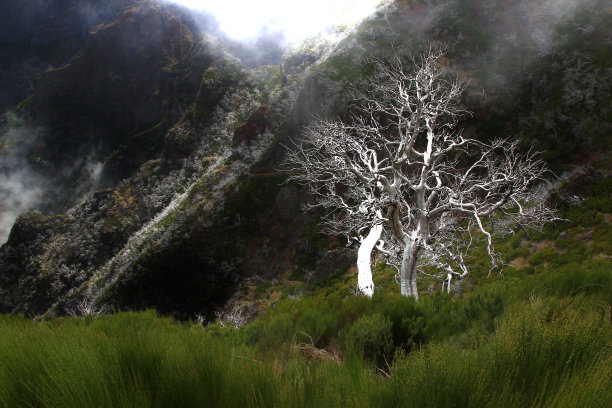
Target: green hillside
538, 336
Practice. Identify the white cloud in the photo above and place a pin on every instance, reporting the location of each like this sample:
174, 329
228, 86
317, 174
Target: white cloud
20, 191
297, 19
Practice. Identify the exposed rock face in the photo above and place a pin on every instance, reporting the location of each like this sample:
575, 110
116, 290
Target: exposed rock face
170, 106
134, 79
39, 33
191, 140
219, 78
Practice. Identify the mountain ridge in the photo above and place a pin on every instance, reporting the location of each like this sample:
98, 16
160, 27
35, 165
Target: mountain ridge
212, 136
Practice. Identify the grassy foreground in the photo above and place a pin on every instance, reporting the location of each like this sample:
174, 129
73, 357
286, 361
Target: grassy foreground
540, 351
541, 336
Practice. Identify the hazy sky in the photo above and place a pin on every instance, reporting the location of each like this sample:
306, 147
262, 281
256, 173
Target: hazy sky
297, 19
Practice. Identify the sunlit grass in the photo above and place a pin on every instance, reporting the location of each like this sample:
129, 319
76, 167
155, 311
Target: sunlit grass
537, 336
492, 347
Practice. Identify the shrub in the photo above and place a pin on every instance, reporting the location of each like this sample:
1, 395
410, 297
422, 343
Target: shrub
371, 336
545, 255
262, 288
407, 319
530, 361
319, 324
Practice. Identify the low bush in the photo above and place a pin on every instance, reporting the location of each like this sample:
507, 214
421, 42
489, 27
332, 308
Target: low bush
371, 336
532, 360
319, 325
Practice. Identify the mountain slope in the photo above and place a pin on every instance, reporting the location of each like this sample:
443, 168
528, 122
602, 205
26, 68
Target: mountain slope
189, 140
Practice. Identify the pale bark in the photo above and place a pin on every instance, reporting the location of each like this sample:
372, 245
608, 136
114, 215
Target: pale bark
402, 156
408, 270
365, 284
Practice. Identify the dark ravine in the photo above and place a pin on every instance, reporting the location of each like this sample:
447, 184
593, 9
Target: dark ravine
190, 202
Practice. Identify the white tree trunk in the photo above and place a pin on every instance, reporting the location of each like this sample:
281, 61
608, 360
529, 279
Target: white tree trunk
408, 270
364, 275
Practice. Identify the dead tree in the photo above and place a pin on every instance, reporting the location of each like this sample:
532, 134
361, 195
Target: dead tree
401, 164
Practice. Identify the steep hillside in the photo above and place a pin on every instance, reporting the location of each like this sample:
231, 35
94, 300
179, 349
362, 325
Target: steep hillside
179, 121
539, 336
42, 33
183, 143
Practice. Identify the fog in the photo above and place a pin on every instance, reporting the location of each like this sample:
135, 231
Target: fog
21, 189
296, 20
25, 184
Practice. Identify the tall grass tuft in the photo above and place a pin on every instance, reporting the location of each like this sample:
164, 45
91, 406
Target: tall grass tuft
528, 340
125, 360
534, 359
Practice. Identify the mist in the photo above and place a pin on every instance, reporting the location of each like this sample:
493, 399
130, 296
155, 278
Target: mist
24, 182
296, 20
20, 191
516, 34
21, 188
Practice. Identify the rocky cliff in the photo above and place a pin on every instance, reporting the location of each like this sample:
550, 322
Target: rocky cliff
187, 207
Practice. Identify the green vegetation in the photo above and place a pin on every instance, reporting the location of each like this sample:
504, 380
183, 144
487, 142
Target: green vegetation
341, 68
216, 80
25, 104
538, 336
256, 194
491, 347
262, 288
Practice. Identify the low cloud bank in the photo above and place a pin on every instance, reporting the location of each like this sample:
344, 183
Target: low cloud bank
21, 188
296, 20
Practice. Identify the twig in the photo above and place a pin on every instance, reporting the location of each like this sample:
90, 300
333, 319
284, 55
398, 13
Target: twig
307, 335
387, 363
249, 359
384, 372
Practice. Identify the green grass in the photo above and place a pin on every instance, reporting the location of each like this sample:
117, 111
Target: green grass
537, 336
532, 360
542, 351
527, 340
128, 359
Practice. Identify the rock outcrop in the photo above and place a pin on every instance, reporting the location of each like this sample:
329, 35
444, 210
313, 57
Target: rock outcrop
190, 200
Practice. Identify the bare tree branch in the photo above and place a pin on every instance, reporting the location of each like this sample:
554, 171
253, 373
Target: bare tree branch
402, 164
